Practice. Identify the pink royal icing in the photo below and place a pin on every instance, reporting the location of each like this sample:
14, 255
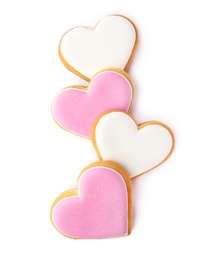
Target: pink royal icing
76, 109
100, 210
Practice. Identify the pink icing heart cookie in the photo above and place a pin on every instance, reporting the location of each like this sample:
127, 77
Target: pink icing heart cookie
137, 148
101, 207
110, 45
76, 108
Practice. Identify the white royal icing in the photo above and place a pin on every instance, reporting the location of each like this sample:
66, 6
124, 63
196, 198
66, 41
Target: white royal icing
109, 45
118, 139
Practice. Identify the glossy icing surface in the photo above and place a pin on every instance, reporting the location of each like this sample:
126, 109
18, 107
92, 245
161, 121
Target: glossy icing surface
110, 45
137, 149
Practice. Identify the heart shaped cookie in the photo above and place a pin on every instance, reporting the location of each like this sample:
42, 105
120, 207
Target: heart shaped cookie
101, 207
76, 108
110, 45
137, 148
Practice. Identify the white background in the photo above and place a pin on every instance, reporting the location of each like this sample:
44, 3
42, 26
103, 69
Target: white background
39, 160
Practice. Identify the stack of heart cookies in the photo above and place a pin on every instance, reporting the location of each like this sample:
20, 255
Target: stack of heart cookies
101, 205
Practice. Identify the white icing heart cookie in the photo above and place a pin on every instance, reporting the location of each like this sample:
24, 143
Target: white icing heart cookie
137, 148
110, 44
